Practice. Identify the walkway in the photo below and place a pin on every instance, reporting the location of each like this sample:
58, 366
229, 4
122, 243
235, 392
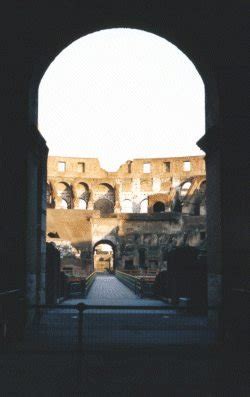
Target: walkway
159, 325
108, 290
136, 326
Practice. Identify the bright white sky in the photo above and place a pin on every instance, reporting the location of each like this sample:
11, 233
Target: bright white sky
120, 94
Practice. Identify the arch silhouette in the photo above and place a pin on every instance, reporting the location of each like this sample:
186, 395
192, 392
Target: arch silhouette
196, 32
144, 206
64, 191
159, 206
175, 36
104, 205
126, 206
111, 244
82, 194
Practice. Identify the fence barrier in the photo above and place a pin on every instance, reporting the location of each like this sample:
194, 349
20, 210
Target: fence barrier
89, 282
81, 327
142, 285
80, 287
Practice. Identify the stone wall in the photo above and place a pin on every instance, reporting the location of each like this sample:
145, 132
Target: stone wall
129, 234
81, 183
136, 209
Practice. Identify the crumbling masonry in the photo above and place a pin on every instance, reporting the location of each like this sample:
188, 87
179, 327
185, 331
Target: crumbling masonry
143, 210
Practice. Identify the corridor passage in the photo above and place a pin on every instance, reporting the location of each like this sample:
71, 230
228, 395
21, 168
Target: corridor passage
153, 323
107, 289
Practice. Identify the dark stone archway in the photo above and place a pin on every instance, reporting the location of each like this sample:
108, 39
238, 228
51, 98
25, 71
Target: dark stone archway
159, 206
214, 39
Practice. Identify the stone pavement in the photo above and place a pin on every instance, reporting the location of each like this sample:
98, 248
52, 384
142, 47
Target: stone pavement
108, 290
128, 326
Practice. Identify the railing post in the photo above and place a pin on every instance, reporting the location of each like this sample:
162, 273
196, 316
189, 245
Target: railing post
80, 307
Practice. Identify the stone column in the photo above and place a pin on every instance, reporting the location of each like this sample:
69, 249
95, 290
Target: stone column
31, 229
117, 206
42, 204
36, 220
214, 223
90, 206
227, 219
75, 199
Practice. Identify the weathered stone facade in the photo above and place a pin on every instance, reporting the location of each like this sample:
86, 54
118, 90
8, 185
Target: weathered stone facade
142, 210
81, 183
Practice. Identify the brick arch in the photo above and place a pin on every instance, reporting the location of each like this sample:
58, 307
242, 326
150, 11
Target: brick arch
143, 208
126, 206
110, 243
159, 206
203, 181
108, 184
104, 205
198, 32
64, 195
105, 192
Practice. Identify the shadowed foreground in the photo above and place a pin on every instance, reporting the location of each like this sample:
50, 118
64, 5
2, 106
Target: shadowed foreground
178, 373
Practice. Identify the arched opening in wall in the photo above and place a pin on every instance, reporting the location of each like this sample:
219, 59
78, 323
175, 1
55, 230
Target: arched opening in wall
65, 197
184, 188
105, 206
203, 186
98, 108
151, 172
64, 204
82, 204
82, 196
104, 198
108, 113
104, 256
127, 206
159, 207
144, 206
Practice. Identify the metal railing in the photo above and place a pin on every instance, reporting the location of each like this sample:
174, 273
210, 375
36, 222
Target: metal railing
89, 282
81, 327
141, 285
79, 287
127, 279
145, 286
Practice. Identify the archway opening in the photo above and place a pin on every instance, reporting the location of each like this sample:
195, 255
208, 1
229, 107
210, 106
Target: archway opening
127, 206
82, 195
159, 206
104, 256
64, 193
120, 130
184, 188
144, 206
104, 198
129, 94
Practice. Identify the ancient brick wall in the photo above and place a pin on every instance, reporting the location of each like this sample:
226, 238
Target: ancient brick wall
136, 209
81, 183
